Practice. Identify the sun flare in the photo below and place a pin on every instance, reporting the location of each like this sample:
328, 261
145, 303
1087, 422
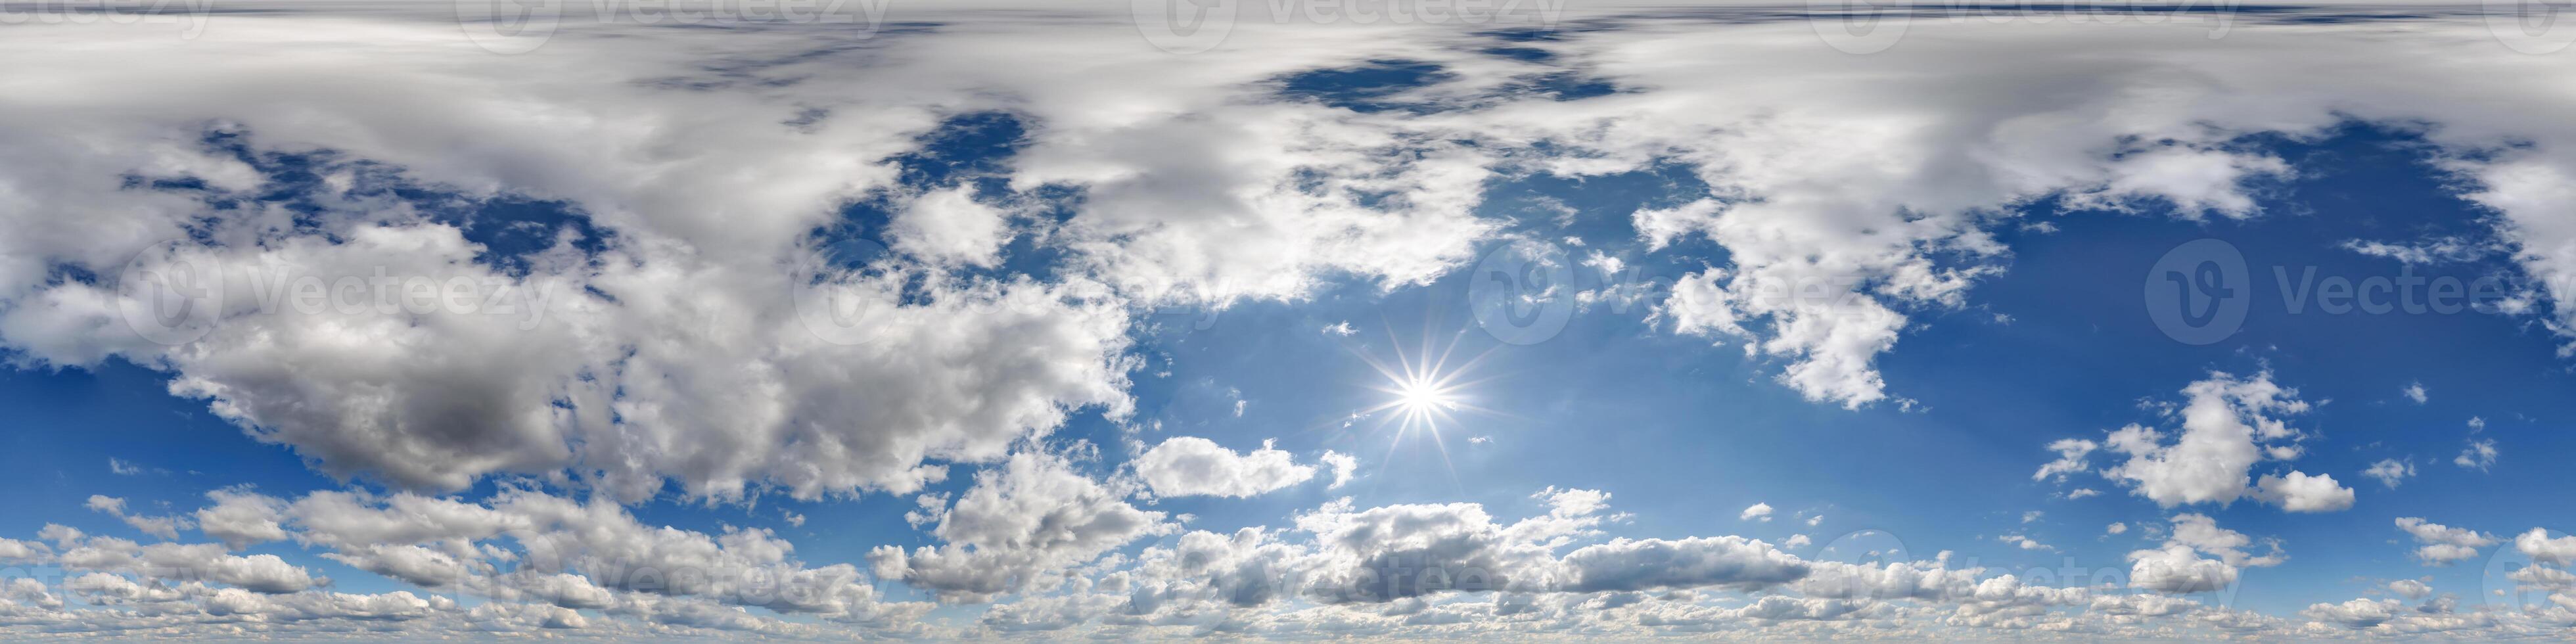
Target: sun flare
1423, 396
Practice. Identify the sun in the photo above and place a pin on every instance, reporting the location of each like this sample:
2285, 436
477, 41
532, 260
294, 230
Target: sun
1424, 395
1425, 392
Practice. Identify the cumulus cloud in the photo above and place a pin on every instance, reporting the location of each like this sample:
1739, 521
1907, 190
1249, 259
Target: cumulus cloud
2299, 492
2440, 545
240, 518
1192, 466
1756, 512
2410, 589
2390, 472
165, 527
2355, 614
1343, 466
2537, 544
1031, 516
1651, 564
2179, 565
2480, 455
2228, 425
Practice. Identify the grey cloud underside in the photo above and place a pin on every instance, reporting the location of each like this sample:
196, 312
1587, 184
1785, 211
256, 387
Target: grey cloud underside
672, 347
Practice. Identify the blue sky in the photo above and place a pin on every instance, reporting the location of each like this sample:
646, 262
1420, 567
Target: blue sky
1079, 270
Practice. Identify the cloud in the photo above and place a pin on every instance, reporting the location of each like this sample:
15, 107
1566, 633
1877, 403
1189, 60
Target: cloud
2299, 492
1652, 564
2070, 459
2023, 542
2439, 250
2355, 614
2479, 454
1757, 512
240, 518
673, 348
2415, 391
2538, 545
1029, 517
2228, 425
2174, 569
2441, 545
2390, 471
122, 467
1192, 466
165, 527
2202, 533
1343, 466
949, 226
2178, 566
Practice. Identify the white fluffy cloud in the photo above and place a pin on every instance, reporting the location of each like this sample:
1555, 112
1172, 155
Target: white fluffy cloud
2299, 492
2537, 544
1756, 512
1029, 517
2390, 472
1193, 466
1653, 564
2179, 567
2479, 455
2440, 545
2228, 425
